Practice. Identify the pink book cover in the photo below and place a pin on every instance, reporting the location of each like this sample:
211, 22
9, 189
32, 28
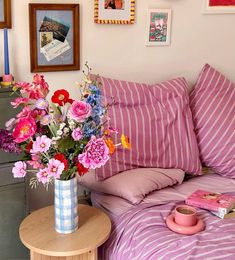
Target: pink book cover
221, 203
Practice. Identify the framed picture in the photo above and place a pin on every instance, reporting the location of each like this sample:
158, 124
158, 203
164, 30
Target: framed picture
115, 11
158, 27
5, 14
218, 6
54, 37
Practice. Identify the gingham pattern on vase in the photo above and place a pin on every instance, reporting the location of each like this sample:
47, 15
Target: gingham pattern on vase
66, 206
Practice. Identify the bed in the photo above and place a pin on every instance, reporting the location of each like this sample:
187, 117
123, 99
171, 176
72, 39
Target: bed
173, 133
139, 231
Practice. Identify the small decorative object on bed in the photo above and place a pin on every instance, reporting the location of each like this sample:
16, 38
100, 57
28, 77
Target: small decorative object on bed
5, 13
114, 11
213, 109
218, 6
59, 140
158, 27
184, 220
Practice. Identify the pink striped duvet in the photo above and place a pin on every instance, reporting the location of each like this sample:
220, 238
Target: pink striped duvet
141, 234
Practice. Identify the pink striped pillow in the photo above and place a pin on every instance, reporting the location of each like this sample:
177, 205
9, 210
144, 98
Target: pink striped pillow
157, 120
212, 103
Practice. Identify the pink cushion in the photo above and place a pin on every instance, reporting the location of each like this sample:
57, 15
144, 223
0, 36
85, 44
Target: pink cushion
212, 103
134, 185
157, 120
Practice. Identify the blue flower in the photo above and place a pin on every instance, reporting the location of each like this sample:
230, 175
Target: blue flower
97, 110
95, 90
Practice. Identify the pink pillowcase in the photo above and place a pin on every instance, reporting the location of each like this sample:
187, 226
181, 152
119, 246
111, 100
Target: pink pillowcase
158, 121
134, 185
212, 102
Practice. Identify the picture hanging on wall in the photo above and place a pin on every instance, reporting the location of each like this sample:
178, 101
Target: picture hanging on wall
219, 6
5, 14
54, 37
114, 11
158, 27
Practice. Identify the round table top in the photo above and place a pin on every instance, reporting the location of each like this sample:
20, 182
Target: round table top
38, 234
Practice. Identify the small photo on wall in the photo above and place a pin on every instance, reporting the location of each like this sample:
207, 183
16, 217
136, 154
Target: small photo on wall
114, 4
158, 28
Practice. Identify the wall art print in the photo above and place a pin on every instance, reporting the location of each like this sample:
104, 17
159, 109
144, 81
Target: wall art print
114, 11
158, 27
218, 6
5, 14
54, 37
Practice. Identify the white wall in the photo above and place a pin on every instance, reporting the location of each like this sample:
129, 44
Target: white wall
119, 51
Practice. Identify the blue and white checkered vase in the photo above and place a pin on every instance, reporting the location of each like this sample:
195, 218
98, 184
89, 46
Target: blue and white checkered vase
66, 206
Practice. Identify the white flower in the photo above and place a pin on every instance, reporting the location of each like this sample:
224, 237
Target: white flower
62, 125
66, 130
59, 132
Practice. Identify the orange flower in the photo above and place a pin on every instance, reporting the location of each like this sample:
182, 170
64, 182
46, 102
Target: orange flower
110, 145
125, 142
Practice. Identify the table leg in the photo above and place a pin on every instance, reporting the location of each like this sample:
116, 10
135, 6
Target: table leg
91, 255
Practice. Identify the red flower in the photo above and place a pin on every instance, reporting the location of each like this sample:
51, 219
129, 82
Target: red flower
60, 97
29, 146
62, 158
81, 169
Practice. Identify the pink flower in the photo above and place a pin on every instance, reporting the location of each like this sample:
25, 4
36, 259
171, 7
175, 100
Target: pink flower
25, 128
43, 175
41, 145
96, 154
39, 88
18, 101
10, 124
79, 111
77, 134
55, 168
35, 162
37, 114
19, 169
25, 112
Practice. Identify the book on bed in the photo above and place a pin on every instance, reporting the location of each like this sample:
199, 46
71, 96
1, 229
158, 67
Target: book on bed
219, 204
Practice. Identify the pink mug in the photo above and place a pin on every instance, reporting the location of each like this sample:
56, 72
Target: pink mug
185, 215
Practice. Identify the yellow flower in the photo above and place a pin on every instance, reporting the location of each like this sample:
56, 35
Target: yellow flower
110, 145
125, 142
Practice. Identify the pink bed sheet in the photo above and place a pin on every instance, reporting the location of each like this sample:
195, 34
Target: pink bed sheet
115, 206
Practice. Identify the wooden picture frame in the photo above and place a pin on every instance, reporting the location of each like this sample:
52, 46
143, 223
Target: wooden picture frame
54, 37
158, 27
114, 11
5, 14
223, 8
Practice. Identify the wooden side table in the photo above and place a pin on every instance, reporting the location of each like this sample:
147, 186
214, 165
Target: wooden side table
38, 234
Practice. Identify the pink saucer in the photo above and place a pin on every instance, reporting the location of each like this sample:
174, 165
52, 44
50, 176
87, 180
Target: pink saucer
170, 222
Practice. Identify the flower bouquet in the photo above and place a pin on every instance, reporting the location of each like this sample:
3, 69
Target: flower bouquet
61, 138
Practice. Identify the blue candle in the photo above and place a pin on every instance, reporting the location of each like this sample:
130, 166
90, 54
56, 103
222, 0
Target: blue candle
6, 53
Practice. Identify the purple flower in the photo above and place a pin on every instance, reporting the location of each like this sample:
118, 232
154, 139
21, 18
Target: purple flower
19, 169
55, 168
41, 145
77, 134
7, 143
41, 103
46, 120
96, 154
